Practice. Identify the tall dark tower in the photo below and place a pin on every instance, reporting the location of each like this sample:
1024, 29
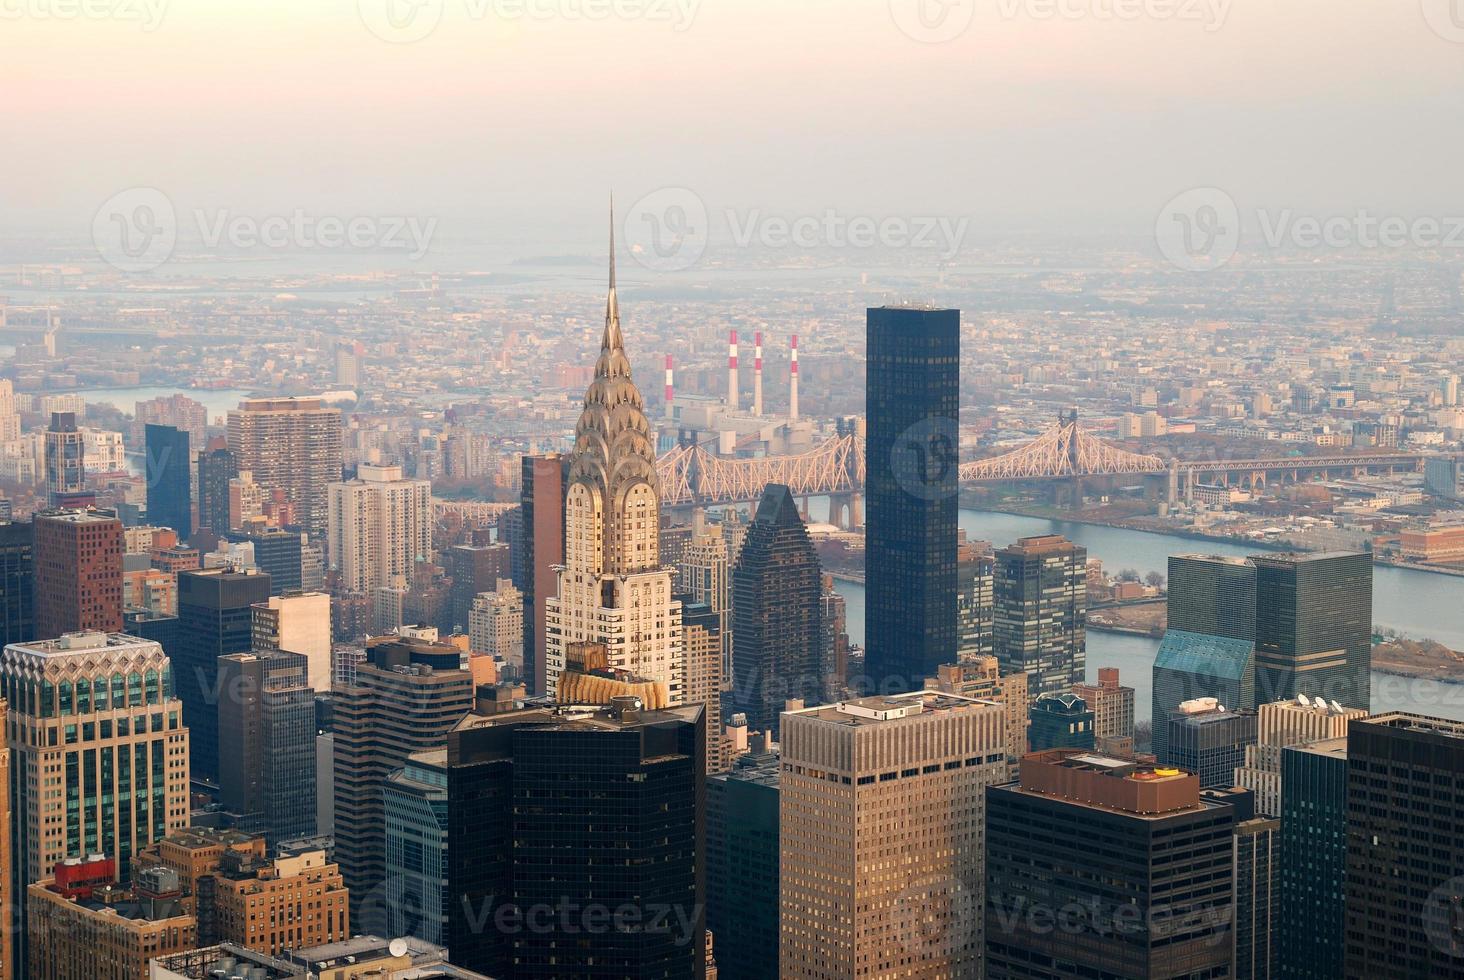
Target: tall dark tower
169, 502
777, 599
217, 465
1314, 627
575, 809
214, 620
912, 390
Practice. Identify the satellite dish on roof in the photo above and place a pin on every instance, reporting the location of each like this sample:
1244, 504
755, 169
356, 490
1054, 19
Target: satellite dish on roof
398, 947
1304, 699
1336, 707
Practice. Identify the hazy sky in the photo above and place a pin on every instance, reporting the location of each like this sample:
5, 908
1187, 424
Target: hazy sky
1082, 119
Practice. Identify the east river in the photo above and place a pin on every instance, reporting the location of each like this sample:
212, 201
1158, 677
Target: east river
1414, 603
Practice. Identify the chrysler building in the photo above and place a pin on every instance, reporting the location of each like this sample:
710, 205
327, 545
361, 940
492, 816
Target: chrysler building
612, 588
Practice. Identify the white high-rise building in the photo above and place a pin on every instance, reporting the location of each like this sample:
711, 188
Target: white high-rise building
297, 622
612, 588
380, 526
9, 418
496, 624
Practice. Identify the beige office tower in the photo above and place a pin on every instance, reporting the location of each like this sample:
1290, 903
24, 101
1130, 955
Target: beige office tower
1281, 723
380, 527
246, 500
290, 444
882, 807
296, 622
612, 588
100, 753
1112, 705
705, 574
981, 679
496, 624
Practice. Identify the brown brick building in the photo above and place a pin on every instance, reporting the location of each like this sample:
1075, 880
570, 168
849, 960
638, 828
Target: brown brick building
78, 558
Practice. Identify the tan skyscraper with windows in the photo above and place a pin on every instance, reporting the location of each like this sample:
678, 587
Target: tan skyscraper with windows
883, 803
380, 527
612, 588
290, 444
104, 721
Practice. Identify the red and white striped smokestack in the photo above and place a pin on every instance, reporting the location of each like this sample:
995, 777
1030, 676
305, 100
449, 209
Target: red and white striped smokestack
793, 381
757, 373
732, 373
670, 387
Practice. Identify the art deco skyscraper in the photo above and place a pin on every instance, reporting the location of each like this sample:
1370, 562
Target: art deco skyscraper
913, 382
612, 588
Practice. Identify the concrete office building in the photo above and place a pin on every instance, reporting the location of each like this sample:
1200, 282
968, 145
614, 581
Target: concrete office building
882, 807
380, 527
1112, 705
1282, 723
298, 622
293, 445
982, 680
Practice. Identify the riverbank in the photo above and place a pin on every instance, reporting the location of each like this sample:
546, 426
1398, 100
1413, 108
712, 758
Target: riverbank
1140, 526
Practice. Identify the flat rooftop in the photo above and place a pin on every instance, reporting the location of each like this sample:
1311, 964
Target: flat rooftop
881, 708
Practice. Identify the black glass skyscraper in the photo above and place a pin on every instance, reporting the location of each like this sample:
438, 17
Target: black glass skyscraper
169, 479
277, 554
1404, 908
214, 620
576, 843
1314, 627
912, 393
743, 867
777, 600
1309, 924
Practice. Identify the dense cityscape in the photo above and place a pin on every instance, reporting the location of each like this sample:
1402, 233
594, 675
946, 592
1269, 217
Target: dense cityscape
742, 591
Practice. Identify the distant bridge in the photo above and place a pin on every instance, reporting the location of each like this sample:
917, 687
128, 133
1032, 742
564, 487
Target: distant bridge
692, 476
